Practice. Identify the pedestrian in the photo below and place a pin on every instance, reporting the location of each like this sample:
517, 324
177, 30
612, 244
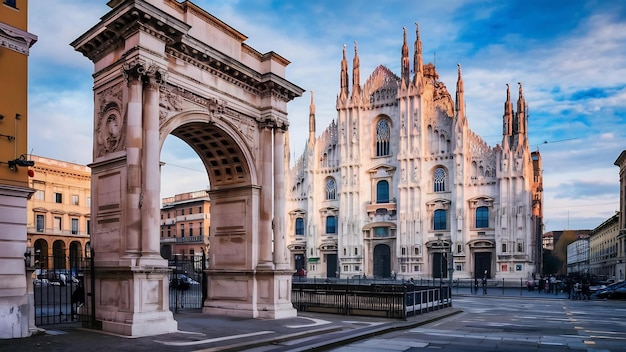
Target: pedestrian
77, 299
586, 291
542, 284
475, 285
485, 284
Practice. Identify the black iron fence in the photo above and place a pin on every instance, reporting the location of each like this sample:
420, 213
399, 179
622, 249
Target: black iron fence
370, 299
61, 294
187, 282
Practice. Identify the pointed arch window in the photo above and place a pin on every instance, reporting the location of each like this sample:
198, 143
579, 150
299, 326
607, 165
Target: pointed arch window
331, 189
440, 178
482, 217
383, 138
382, 192
299, 227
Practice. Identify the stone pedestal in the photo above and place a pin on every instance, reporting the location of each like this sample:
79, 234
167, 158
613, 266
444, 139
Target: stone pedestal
134, 301
249, 294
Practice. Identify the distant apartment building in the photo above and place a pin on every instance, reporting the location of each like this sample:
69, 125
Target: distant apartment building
185, 223
15, 44
603, 248
59, 213
578, 257
620, 267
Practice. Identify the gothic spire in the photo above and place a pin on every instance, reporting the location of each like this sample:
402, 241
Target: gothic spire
507, 118
356, 71
405, 59
417, 55
312, 119
460, 93
521, 111
344, 75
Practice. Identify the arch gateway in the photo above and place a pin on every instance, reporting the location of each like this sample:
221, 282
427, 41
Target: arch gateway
164, 67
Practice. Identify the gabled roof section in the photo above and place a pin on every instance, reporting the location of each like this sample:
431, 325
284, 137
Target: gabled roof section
382, 77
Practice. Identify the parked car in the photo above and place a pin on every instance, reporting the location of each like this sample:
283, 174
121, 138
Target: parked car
182, 282
611, 291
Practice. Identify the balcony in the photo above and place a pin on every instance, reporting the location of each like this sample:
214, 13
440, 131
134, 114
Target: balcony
193, 239
382, 208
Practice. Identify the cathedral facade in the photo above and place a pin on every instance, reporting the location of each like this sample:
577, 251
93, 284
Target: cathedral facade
399, 186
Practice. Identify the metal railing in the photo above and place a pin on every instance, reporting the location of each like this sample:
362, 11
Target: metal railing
375, 299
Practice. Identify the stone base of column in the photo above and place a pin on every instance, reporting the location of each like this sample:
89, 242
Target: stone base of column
134, 301
143, 324
249, 294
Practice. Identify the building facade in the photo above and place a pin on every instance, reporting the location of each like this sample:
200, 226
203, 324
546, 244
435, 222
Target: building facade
185, 223
59, 213
400, 186
578, 257
621, 237
604, 248
15, 44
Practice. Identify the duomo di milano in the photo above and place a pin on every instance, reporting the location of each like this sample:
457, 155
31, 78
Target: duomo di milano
400, 186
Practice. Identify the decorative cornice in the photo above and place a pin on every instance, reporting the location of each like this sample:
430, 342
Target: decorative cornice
16, 39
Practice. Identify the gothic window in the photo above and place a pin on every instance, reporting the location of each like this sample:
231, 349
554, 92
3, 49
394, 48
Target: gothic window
382, 192
383, 138
299, 226
440, 180
504, 248
440, 220
482, 217
331, 189
331, 225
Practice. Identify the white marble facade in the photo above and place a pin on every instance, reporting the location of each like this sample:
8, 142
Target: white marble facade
400, 181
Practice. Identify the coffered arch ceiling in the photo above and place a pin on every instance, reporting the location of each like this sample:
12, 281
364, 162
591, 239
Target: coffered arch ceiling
221, 155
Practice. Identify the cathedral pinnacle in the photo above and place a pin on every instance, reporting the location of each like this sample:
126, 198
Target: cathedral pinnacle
344, 75
460, 93
356, 71
405, 59
417, 55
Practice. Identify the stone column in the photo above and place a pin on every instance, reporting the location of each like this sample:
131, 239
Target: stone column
265, 209
132, 72
280, 241
151, 177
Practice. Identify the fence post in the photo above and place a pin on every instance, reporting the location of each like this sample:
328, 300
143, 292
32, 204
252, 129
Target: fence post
92, 283
521, 286
503, 286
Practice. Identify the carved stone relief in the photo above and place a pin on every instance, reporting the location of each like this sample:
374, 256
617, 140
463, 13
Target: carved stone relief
110, 129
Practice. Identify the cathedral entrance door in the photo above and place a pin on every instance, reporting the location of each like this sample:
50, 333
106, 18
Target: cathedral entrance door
440, 265
382, 261
482, 263
331, 265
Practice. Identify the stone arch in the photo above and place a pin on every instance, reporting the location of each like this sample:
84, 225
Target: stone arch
228, 102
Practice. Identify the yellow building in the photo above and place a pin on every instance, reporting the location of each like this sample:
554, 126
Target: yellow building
59, 213
15, 43
185, 222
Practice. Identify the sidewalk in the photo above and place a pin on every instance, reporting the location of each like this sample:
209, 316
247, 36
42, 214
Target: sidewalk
199, 332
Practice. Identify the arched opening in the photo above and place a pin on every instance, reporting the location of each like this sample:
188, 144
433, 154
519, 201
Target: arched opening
75, 259
58, 255
41, 254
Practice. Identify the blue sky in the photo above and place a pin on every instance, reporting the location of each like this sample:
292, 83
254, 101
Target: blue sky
570, 56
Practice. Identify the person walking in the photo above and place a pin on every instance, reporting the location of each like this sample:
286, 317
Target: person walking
485, 283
